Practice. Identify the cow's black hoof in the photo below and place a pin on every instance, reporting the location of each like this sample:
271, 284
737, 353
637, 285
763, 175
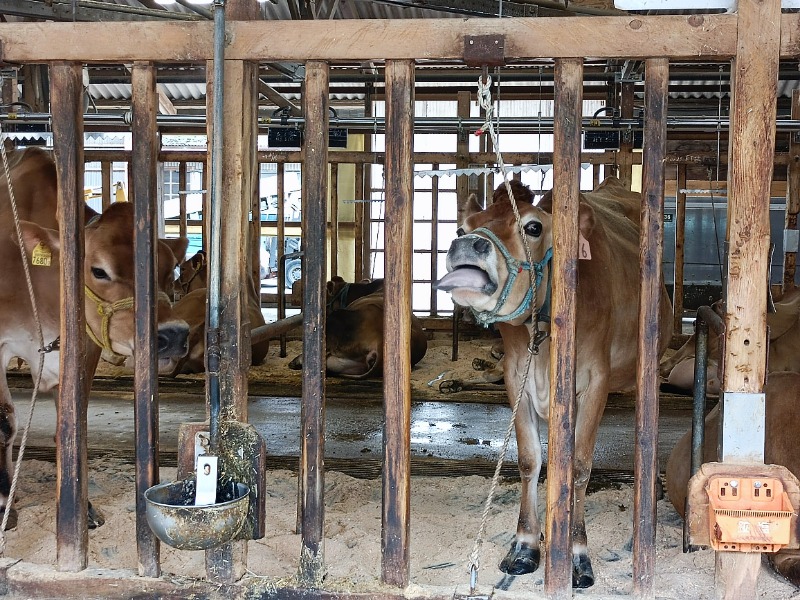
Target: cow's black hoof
296, 363
521, 559
582, 573
450, 386
12, 518
480, 364
95, 518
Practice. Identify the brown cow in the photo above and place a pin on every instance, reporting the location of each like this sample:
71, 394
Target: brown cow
782, 407
354, 331
488, 272
190, 291
108, 272
784, 347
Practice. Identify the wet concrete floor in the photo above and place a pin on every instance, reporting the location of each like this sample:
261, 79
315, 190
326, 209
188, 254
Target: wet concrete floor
450, 431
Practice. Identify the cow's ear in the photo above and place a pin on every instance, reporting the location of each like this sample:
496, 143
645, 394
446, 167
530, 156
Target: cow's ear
33, 235
178, 246
586, 219
467, 208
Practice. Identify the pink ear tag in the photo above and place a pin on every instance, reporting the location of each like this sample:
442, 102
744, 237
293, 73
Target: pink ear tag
584, 253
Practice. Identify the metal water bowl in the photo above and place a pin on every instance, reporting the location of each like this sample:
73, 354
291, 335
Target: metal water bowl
189, 527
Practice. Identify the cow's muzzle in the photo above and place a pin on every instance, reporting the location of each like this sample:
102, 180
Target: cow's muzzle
173, 339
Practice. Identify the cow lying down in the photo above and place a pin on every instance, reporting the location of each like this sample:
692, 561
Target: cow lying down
784, 348
354, 331
782, 409
490, 272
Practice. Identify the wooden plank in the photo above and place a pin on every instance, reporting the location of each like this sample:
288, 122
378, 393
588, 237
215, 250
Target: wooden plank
334, 167
366, 229
680, 242
182, 187
144, 105
650, 258
625, 154
750, 157
314, 210
694, 37
359, 216
105, 176
792, 195
561, 424
395, 565
72, 542
434, 241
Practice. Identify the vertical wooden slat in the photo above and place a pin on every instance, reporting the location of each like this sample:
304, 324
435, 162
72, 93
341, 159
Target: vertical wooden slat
750, 167
144, 103
366, 230
280, 248
254, 227
105, 177
568, 82
397, 322
334, 219
359, 213
650, 257
66, 89
315, 196
680, 244
183, 185
206, 224
434, 240
792, 195
625, 155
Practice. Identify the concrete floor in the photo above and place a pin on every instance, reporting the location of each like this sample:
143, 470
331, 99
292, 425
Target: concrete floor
440, 430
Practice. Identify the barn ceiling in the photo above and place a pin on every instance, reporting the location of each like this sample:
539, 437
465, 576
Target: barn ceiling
695, 89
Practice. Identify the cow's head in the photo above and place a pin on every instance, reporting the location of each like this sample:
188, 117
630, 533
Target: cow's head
109, 281
192, 274
489, 270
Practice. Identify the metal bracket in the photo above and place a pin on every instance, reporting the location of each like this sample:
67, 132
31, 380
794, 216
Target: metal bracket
484, 50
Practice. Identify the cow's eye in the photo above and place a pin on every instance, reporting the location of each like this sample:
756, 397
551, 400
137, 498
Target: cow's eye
99, 273
460, 231
533, 228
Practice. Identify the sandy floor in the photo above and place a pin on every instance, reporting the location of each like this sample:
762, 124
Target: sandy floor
445, 518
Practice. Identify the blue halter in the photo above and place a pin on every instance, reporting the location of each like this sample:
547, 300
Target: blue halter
515, 267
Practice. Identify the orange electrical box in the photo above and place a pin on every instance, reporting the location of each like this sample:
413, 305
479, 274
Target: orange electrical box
748, 514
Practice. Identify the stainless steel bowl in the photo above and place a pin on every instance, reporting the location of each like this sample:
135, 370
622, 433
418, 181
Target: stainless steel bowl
194, 527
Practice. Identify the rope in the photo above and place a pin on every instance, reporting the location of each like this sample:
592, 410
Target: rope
485, 101
40, 336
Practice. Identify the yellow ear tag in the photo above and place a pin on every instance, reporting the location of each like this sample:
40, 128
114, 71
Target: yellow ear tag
42, 255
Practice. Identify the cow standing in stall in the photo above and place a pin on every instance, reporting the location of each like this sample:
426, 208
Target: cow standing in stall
488, 272
109, 276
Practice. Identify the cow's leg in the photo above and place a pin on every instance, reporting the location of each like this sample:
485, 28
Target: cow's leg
524, 555
8, 431
591, 404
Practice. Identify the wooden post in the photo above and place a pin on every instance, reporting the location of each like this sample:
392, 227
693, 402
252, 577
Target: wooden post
792, 196
254, 226
750, 166
397, 322
650, 257
144, 103
183, 186
359, 218
680, 243
334, 219
434, 240
72, 542
315, 199
568, 82
626, 147
105, 175
366, 227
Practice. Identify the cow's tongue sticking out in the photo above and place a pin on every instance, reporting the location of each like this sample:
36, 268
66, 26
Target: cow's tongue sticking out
463, 277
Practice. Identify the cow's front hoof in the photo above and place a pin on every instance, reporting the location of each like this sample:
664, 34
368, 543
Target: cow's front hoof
12, 518
582, 573
521, 559
296, 363
450, 386
95, 518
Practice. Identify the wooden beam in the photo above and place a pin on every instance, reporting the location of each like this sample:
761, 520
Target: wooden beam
72, 542
650, 256
625, 154
561, 423
680, 240
144, 102
396, 565
334, 208
750, 160
314, 210
693, 37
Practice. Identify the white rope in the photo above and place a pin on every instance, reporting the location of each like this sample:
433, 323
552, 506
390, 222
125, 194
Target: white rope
38, 380
485, 101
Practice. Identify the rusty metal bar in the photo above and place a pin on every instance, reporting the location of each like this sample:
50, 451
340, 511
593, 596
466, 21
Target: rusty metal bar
434, 240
